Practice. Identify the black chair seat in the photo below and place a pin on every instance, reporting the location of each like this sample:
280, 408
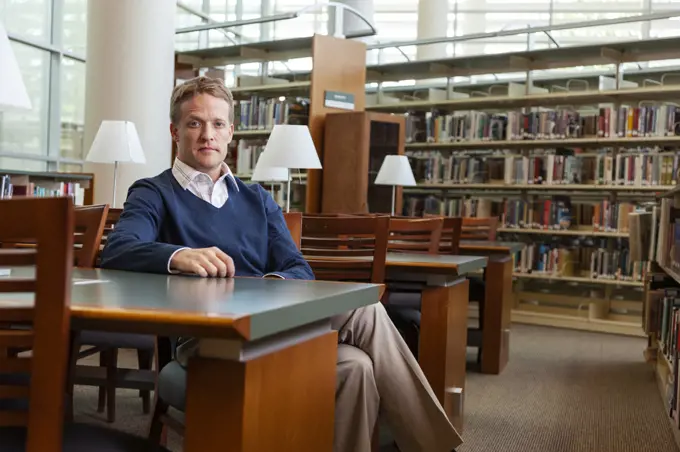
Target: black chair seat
117, 340
82, 438
172, 385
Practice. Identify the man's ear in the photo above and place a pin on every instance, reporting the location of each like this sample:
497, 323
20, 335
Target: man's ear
173, 132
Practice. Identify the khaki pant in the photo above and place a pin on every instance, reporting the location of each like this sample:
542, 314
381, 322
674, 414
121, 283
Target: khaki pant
377, 371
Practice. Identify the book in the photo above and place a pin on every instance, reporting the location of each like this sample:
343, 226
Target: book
5, 271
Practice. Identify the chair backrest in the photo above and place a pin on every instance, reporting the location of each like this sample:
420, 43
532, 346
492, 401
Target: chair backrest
451, 232
346, 248
479, 228
89, 226
90, 223
294, 223
49, 222
415, 235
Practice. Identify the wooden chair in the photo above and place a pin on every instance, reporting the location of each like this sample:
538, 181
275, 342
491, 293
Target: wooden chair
451, 233
415, 235
107, 345
294, 223
346, 248
479, 228
32, 397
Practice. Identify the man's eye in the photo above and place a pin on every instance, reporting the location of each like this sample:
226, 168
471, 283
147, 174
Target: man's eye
194, 124
220, 124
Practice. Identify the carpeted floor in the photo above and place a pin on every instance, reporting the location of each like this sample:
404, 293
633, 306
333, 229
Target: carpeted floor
563, 391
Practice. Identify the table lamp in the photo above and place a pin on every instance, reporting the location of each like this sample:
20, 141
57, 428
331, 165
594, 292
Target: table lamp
395, 171
290, 147
13, 92
263, 173
115, 142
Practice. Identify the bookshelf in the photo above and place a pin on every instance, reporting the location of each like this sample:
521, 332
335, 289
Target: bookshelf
661, 323
338, 65
32, 183
563, 165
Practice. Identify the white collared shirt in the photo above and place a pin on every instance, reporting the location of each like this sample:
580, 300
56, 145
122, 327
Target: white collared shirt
201, 185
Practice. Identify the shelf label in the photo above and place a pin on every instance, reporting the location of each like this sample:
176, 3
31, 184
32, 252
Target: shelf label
335, 99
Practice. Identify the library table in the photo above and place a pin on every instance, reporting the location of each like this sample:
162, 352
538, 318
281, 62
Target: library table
444, 312
498, 300
264, 377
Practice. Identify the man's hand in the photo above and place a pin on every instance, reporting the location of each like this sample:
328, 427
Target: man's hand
203, 262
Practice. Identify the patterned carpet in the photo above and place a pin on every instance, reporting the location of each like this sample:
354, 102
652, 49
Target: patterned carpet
563, 391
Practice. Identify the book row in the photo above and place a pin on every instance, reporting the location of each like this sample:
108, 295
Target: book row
418, 206
556, 214
46, 189
605, 122
548, 169
583, 261
264, 113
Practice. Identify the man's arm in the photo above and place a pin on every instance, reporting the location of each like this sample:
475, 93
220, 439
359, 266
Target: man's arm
133, 245
284, 259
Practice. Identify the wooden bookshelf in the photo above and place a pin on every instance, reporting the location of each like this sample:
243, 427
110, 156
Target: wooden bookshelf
50, 181
611, 303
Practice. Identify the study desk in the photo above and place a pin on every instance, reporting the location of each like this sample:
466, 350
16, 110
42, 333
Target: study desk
498, 300
264, 377
443, 325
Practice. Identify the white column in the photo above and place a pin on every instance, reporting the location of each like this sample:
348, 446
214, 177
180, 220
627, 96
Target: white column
130, 76
432, 23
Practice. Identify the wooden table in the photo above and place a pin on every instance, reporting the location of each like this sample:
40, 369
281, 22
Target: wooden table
498, 300
442, 351
444, 312
264, 378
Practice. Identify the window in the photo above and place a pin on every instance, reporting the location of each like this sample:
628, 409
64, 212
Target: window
27, 18
75, 26
25, 131
72, 109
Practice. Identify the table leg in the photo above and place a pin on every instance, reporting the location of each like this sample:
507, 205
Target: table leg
443, 342
283, 400
497, 315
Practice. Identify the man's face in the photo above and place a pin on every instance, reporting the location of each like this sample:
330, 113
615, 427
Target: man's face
203, 133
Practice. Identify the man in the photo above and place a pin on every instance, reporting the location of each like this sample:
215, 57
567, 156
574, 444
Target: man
198, 218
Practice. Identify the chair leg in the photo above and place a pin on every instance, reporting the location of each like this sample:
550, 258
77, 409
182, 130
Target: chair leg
101, 401
111, 371
158, 431
70, 381
145, 362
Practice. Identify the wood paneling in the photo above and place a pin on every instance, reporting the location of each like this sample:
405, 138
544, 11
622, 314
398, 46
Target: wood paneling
442, 349
346, 161
497, 315
339, 65
283, 398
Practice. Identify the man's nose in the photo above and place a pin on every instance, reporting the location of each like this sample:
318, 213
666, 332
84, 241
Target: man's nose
208, 132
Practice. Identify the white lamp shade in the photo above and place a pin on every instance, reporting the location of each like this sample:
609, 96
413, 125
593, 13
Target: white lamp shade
290, 146
116, 141
395, 170
12, 89
263, 173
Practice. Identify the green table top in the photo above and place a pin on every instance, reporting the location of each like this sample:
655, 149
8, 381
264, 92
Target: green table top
437, 262
501, 247
253, 307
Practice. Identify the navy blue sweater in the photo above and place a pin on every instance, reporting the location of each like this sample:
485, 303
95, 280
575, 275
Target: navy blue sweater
159, 217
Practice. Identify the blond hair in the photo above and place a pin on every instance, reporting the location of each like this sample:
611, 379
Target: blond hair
199, 85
